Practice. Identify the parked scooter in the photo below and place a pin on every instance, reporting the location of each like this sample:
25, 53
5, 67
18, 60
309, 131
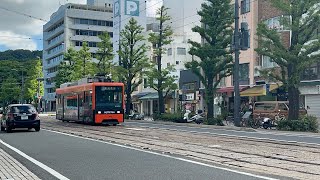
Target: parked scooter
136, 116
198, 118
269, 123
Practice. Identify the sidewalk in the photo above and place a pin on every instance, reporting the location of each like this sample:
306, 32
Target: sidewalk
11, 169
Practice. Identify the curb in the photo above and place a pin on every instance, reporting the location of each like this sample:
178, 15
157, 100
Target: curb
195, 125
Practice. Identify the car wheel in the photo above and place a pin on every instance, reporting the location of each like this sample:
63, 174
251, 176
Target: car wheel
114, 124
8, 130
37, 129
2, 128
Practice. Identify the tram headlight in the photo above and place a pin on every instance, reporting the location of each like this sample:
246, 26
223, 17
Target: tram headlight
118, 112
99, 112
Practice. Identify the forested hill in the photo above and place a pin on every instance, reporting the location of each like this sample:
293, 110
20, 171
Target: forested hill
20, 55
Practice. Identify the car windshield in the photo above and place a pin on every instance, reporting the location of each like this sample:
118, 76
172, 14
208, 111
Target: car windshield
301, 106
23, 109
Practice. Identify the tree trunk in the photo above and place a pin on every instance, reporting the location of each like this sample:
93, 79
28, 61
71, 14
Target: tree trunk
293, 93
210, 101
160, 90
161, 102
128, 99
294, 104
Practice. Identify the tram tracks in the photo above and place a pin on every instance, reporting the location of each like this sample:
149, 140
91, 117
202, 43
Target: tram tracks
292, 161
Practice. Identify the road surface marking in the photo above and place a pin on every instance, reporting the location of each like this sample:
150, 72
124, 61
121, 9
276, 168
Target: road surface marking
38, 163
167, 156
136, 129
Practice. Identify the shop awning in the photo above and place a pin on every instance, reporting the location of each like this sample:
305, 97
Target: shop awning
138, 95
259, 90
151, 96
230, 89
254, 91
274, 86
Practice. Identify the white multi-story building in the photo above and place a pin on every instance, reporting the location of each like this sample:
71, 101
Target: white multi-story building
68, 27
183, 17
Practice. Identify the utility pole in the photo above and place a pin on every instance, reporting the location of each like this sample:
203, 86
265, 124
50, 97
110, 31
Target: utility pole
236, 66
22, 87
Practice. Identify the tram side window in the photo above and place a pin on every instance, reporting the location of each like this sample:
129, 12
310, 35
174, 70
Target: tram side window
59, 99
88, 99
72, 102
81, 99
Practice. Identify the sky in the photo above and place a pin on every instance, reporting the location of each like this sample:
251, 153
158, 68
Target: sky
18, 31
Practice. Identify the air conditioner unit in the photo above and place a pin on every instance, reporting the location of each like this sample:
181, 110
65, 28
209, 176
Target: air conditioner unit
257, 71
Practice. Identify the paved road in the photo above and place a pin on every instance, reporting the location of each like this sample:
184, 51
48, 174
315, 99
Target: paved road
78, 158
272, 134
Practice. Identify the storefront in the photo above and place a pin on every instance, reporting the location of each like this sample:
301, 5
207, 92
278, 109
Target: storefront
310, 97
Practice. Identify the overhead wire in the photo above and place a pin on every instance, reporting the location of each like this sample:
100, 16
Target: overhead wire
144, 9
23, 14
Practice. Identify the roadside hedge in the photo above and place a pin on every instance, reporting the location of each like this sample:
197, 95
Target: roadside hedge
215, 121
306, 124
177, 117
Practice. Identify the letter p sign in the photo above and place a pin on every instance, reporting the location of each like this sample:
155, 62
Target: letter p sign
132, 8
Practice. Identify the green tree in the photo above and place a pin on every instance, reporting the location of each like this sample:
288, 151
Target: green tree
10, 90
67, 68
134, 60
31, 69
215, 56
159, 78
105, 54
302, 52
33, 72
84, 65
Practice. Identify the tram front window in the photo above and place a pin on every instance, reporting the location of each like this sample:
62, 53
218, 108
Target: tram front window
109, 98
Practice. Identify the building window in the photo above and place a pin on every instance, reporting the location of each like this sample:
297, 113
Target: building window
90, 44
275, 23
311, 73
145, 83
181, 51
93, 22
267, 62
244, 72
155, 59
169, 51
168, 64
245, 6
177, 62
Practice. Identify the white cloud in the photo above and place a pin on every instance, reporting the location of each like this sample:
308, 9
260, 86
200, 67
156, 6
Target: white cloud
16, 41
19, 25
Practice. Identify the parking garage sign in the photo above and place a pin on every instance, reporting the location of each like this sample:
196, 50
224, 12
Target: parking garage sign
132, 8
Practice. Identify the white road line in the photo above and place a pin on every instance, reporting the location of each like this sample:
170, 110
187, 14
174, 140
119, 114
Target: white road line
38, 163
168, 156
136, 129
